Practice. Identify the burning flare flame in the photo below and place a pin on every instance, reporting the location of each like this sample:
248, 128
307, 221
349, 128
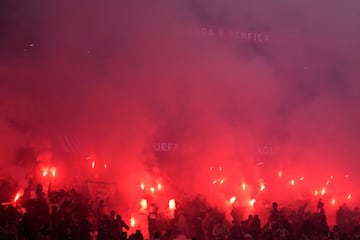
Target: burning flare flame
252, 202
132, 222
53, 171
17, 196
143, 204
172, 204
243, 186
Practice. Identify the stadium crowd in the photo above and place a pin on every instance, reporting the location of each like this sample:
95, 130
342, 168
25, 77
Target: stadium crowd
69, 215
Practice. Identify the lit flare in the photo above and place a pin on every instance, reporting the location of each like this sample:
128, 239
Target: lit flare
53, 171
17, 196
132, 222
243, 186
172, 204
143, 204
252, 202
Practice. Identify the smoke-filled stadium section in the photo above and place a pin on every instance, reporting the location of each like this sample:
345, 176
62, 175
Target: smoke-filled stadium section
183, 176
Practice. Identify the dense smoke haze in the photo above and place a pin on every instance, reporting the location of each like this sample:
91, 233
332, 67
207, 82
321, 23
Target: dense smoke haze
123, 75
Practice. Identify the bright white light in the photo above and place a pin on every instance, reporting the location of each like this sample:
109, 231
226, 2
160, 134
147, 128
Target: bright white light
53, 171
17, 196
252, 202
292, 182
172, 204
143, 204
132, 222
243, 186
323, 191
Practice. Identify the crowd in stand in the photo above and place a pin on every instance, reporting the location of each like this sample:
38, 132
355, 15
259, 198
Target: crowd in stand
60, 216
280, 224
68, 215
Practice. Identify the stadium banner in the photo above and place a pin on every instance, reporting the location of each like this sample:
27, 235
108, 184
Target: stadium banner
101, 190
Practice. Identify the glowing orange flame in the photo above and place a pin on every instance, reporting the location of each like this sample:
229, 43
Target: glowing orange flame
280, 173
53, 171
93, 164
152, 189
132, 222
221, 181
292, 182
214, 182
333, 201
143, 204
243, 185
349, 197
17, 196
323, 191
142, 186
232, 200
262, 187
252, 202
45, 171
316, 193
172, 204
159, 186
